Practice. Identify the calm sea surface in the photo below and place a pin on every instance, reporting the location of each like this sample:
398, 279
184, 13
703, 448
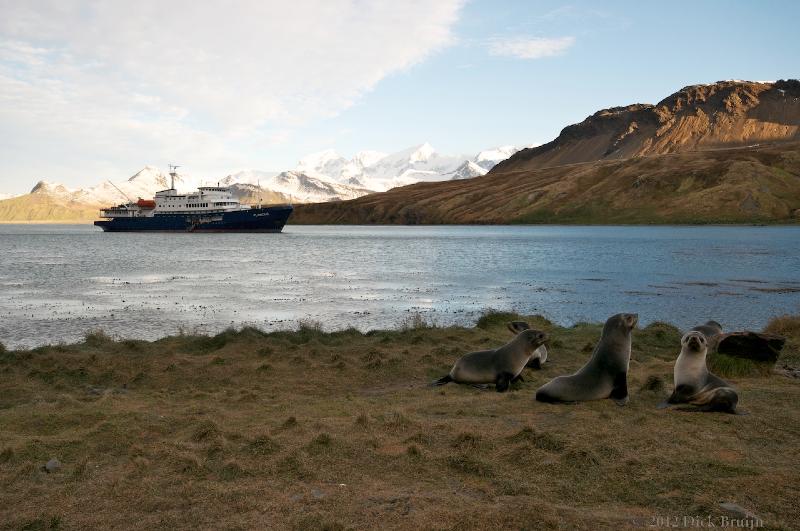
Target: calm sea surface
59, 281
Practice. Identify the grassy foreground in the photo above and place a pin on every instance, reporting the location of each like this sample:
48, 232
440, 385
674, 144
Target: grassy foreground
314, 430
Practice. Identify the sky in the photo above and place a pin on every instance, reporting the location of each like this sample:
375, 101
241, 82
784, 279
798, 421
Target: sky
96, 90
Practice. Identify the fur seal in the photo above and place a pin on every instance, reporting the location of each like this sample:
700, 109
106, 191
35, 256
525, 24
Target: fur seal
710, 329
500, 366
605, 375
539, 355
694, 384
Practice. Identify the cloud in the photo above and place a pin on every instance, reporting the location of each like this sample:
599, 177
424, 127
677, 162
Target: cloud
212, 79
530, 48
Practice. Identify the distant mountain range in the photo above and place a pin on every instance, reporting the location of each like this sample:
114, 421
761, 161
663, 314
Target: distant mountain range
320, 177
724, 152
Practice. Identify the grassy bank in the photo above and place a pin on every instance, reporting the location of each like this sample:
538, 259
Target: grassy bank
314, 430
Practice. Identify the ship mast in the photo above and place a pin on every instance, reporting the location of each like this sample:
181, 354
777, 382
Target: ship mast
173, 173
120, 191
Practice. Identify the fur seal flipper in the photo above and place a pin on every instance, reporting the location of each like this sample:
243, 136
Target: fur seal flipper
619, 393
500, 366
694, 384
503, 382
605, 375
443, 380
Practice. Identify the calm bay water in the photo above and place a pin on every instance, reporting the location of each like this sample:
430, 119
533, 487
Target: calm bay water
59, 281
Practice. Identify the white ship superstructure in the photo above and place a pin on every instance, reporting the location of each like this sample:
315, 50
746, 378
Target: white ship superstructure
209, 209
205, 200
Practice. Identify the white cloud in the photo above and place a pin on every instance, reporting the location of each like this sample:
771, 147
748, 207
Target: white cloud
530, 48
209, 80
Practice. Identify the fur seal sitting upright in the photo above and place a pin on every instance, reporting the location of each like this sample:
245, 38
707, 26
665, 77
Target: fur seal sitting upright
605, 375
694, 384
500, 366
539, 356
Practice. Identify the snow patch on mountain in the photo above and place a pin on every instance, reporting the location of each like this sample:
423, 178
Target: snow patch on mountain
298, 186
489, 158
54, 190
468, 170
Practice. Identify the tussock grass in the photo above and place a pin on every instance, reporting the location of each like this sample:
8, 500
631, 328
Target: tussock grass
416, 321
311, 429
787, 326
733, 367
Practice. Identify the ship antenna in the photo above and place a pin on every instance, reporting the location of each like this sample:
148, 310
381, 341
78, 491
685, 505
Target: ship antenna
172, 174
259, 193
120, 191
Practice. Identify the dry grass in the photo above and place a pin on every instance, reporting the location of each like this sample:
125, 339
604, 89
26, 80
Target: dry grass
315, 430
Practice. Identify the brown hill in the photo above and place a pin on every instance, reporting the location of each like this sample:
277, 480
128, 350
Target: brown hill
698, 117
739, 185
37, 207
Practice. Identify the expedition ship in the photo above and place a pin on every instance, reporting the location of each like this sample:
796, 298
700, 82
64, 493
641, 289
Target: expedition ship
209, 209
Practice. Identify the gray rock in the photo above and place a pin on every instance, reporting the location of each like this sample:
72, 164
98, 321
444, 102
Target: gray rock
52, 466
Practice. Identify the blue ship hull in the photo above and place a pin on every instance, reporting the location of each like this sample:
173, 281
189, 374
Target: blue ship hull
266, 219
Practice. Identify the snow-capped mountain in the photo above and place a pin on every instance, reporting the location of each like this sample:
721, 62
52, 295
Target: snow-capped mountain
489, 158
144, 183
296, 186
379, 172
468, 170
319, 177
54, 190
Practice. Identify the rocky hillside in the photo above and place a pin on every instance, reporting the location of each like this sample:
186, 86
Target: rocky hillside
698, 117
738, 185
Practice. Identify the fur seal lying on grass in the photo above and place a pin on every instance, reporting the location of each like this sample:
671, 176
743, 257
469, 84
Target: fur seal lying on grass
710, 329
605, 375
539, 355
694, 384
500, 366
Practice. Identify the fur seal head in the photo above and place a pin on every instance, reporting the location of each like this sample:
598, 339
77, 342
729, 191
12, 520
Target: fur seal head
539, 355
621, 322
695, 341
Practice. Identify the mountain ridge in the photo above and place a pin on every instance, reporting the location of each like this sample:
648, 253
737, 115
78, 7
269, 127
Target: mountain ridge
730, 113
737, 185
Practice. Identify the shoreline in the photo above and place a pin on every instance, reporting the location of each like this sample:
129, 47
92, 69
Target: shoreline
425, 321
780, 223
